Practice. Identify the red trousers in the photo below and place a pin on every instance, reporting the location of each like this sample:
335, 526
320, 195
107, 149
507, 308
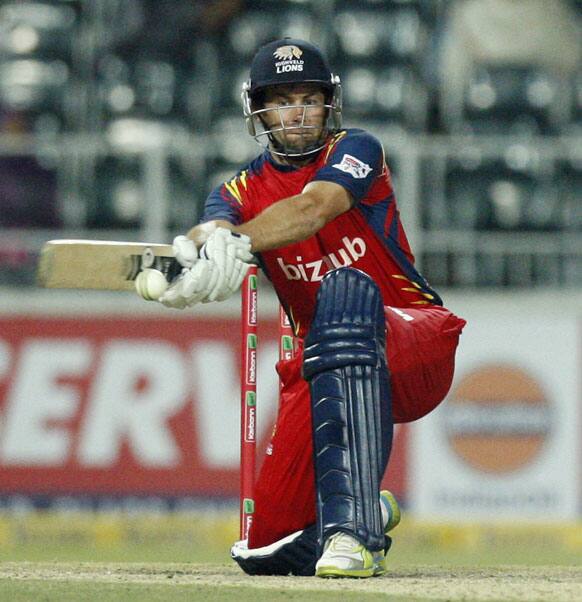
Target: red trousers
420, 349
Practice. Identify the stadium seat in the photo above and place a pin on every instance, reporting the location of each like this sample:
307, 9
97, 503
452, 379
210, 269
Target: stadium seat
569, 177
377, 48
427, 9
37, 66
435, 267
491, 270
146, 87
37, 90
521, 192
572, 270
548, 269
450, 197
138, 149
260, 25
38, 29
576, 105
380, 33
117, 194
388, 94
114, 85
497, 195
499, 100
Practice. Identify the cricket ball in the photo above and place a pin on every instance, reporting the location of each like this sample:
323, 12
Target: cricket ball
150, 284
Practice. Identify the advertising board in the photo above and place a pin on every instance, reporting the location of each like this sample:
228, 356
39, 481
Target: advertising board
145, 405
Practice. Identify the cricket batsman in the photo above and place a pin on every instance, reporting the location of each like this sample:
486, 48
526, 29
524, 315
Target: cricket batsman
376, 346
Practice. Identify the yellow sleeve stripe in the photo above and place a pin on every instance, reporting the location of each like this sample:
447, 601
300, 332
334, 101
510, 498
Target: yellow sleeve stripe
232, 186
337, 138
417, 288
294, 325
414, 290
233, 189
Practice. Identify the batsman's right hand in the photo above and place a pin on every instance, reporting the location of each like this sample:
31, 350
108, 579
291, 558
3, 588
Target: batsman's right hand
195, 284
231, 253
215, 276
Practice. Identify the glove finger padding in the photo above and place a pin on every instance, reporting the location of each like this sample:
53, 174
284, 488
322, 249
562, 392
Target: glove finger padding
230, 252
240, 243
239, 272
185, 251
223, 266
213, 283
173, 297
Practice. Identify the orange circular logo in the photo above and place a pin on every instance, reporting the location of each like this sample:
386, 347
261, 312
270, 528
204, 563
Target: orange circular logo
497, 418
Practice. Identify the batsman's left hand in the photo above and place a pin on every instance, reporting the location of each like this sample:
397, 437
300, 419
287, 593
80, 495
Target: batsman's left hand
185, 251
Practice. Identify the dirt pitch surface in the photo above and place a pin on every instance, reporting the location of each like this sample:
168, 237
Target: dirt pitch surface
555, 584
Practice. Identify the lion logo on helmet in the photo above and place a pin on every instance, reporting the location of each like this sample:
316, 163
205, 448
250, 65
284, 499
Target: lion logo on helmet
288, 53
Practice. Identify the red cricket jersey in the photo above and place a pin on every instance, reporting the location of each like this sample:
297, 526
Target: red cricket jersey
369, 236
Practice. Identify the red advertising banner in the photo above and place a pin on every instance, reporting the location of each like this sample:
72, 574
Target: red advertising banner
132, 406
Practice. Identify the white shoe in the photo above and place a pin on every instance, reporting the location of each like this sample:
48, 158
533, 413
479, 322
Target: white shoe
345, 556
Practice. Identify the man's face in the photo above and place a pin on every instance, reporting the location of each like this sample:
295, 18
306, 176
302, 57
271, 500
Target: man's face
298, 113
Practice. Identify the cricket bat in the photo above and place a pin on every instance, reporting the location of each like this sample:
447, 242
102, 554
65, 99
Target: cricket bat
105, 265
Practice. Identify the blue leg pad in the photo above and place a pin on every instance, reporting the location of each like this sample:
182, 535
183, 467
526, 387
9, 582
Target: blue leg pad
345, 364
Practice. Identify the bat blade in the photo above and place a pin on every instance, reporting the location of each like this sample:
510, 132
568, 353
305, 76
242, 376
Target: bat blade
105, 265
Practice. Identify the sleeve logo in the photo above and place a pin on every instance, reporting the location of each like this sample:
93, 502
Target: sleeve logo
356, 168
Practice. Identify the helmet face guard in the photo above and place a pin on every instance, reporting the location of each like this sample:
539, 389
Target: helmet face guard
290, 62
274, 138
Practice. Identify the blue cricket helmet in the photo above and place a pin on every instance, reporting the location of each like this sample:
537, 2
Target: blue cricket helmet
283, 62
289, 61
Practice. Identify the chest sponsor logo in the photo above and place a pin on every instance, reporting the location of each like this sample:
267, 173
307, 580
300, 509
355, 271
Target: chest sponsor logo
314, 271
356, 168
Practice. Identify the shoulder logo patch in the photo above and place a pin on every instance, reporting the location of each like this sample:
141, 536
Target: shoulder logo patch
356, 168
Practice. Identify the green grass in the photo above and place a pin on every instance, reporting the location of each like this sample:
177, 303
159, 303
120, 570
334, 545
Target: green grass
78, 582
485, 556
163, 552
400, 555
46, 559
42, 591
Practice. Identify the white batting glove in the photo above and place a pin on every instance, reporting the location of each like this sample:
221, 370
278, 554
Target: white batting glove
231, 253
193, 285
185, 251
227, 289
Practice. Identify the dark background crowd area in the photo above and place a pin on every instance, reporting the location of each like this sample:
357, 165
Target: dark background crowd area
486, 94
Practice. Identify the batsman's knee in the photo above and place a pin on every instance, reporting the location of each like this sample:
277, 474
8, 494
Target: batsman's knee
348, 327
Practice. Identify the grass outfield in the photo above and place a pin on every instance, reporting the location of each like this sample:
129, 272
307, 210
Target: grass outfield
104, 582
77, 558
